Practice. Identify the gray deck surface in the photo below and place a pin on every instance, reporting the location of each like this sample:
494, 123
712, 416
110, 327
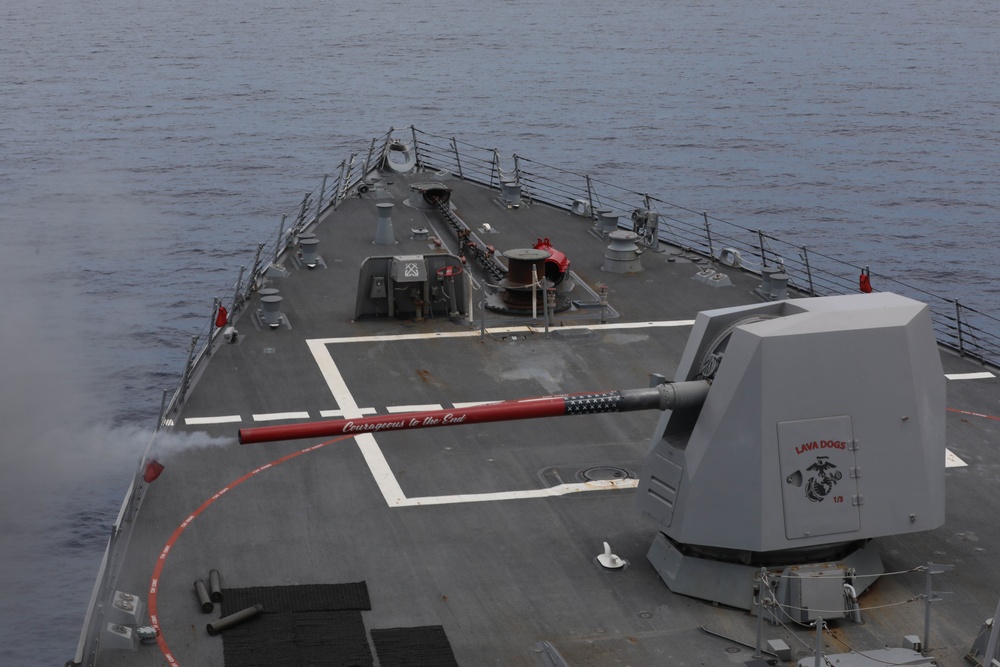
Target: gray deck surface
500, 576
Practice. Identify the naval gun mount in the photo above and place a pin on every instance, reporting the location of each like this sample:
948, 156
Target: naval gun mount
794, 434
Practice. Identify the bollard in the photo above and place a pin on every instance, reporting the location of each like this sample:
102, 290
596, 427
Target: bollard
203, 599
233, 619
215, 586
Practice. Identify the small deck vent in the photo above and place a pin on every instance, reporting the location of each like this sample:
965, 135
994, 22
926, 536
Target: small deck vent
270, 307
310, 251
383, 233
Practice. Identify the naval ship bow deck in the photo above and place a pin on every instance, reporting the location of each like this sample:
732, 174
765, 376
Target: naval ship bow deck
486, 535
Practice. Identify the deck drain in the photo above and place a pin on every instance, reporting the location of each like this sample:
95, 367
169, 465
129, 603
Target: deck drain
604, 473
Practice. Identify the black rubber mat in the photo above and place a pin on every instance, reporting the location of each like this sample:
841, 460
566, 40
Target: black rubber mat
301, 626
425, 646
299, 639
282, 599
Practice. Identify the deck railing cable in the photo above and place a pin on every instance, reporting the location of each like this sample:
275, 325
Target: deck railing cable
965, 330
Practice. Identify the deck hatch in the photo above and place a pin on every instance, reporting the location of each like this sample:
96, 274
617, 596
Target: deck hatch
817, 486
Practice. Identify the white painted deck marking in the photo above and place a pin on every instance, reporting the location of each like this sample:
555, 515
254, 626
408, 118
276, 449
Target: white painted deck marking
340, 413
224, 419
462, 406
952, 461
560, 490
518, 329
275, 416
379, 466
393, 409
970, 376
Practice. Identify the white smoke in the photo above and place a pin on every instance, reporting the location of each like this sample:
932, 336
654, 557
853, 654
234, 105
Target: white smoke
66, 313
169, 443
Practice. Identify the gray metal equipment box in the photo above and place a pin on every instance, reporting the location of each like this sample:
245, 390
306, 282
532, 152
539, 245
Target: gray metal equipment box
816, 591
409, 269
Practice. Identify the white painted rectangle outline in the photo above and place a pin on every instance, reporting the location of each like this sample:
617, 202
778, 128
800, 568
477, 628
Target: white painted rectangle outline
376, 460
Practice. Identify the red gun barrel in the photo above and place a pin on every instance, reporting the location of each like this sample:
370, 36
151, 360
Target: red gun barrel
662, 397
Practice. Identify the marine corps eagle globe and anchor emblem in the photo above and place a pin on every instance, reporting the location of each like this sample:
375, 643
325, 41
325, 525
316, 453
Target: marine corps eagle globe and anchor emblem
824, 477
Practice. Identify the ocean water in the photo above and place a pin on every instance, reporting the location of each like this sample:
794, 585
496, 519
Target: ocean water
145, 148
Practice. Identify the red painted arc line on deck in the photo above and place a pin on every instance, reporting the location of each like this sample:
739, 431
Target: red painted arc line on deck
158, 569
974, 414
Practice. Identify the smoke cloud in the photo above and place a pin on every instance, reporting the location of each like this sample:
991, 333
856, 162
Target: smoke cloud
66, 454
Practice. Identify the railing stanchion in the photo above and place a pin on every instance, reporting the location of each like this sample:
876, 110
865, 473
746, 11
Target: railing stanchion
281, 232
302, 212
958, 325
163, 405
237, 294
590, 196
186, 378
416, 152
350, 170
340, 183
322, 193
253, 272
368, 160
760, 241
458, 161
809, 273
708, 234
212, 329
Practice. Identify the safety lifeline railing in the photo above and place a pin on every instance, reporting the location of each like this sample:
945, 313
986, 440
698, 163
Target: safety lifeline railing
963, 329
970, 332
